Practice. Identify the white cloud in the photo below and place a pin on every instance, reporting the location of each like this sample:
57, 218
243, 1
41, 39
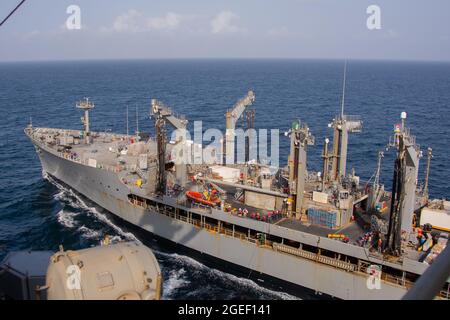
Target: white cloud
129, 21
224, 23
169, 22
134, 21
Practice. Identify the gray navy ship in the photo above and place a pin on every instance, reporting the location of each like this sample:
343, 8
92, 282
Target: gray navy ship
328, 232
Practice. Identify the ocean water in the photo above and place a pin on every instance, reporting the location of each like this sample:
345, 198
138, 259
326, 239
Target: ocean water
40, 214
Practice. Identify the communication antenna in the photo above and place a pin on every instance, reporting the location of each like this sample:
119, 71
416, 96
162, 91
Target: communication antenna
137, 121
343, 91
127, 122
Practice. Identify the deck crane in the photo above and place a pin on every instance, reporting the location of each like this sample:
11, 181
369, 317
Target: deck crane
250, 126
160, 110
377, 188
163, 114
232, 116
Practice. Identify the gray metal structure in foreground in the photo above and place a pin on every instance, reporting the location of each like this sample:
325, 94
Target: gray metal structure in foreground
120, 271
432, 280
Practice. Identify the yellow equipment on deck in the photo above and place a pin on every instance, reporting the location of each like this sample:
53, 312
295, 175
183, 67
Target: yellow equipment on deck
336, 236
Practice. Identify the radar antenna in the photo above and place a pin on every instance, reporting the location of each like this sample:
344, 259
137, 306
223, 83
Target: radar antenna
343, 90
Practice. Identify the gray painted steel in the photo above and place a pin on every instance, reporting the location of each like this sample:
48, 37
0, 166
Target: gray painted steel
431, 282
105, 189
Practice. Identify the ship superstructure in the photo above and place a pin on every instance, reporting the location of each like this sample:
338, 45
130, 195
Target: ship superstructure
329, 232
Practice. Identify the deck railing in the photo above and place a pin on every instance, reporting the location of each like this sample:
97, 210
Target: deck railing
335, 262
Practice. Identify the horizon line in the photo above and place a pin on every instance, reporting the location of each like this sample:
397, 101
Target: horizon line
223, 59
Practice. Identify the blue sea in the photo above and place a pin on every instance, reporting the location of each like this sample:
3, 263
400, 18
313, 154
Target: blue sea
39, 214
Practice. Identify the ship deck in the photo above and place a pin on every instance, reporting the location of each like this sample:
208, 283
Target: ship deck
103, 148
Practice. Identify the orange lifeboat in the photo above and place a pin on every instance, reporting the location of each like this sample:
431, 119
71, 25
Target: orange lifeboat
198, 197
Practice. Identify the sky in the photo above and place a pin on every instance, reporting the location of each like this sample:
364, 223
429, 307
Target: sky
142, 29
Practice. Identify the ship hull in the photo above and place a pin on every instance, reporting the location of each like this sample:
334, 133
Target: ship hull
104, 188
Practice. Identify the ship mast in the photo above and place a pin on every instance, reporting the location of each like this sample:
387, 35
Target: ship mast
343, 90
404, 185
342, 125
301, 137
137, 122
162, 113
127, 123
326, 164
85, 105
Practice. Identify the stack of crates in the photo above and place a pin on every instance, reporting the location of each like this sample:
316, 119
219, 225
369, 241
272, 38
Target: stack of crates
322, 218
